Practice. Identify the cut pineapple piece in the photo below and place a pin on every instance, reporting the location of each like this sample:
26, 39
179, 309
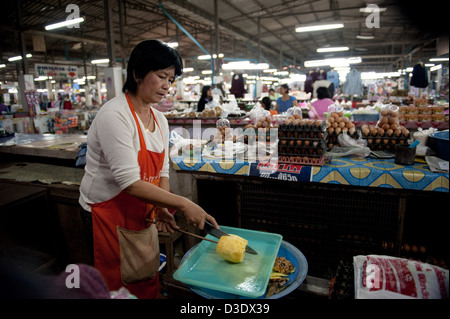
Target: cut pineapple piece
232, 248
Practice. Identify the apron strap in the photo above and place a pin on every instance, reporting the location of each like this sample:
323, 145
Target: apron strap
141, 136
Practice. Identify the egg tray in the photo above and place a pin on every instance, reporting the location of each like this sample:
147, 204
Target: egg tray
315, 148
322, 127
304, 160
385, 143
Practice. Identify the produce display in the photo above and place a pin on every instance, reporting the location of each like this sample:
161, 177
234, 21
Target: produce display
337, 124
232, 248
422, 113
387, 132
262, 126
301, 141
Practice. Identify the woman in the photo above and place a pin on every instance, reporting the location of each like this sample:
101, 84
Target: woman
126, 181
321, 105
285, 101
205, 98
266, 103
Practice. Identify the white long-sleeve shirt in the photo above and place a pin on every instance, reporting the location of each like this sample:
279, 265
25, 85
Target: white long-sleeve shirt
112, 150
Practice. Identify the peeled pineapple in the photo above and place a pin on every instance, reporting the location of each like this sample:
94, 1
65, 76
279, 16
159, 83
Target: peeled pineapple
232, 248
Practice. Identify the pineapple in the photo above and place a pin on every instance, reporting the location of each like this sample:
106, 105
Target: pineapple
232, 248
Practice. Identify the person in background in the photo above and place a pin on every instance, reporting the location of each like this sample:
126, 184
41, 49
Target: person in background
285, 101
273, 95
3, 106
205, 98
266, 102
320, 106
125, 190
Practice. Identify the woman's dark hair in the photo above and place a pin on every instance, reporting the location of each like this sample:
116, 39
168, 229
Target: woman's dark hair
286, 87
322, 93
205, 90
266, 102
150, 55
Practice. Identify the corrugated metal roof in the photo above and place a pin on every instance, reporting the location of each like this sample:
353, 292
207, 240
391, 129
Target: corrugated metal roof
239, 22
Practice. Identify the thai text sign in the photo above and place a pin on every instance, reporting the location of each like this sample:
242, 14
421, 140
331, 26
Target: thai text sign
56, 71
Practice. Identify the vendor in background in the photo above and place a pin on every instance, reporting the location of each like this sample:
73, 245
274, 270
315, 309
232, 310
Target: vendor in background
205, 98
126, 187
266, 102
320, 106
273, 95
285, 101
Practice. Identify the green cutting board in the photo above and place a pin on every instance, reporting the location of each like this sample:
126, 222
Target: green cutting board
205, 268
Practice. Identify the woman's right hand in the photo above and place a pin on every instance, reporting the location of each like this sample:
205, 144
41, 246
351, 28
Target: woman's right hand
195, 215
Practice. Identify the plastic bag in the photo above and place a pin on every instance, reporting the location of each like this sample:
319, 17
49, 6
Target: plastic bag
382, 277
293, 111
349, 147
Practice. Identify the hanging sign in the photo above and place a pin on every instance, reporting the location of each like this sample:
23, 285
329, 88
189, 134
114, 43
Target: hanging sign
56, 71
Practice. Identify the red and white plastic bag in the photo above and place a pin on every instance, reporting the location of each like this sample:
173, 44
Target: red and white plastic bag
386, 277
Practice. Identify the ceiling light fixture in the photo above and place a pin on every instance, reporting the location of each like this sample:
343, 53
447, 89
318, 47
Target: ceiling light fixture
372, 9
100, 61
18, 57
208, 57
333, 62
438, 59
245, 66
332, 49
365, 37
319, 27
63, 23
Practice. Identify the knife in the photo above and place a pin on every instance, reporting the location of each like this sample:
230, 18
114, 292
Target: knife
210, 229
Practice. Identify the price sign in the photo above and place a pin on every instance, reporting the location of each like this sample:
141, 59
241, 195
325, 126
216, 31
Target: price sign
284, 172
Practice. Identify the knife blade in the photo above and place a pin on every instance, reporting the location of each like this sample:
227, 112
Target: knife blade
210, 229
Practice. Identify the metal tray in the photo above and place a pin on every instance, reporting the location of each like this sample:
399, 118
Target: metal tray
206, 269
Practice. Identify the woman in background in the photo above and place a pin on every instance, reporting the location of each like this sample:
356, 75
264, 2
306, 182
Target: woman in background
321, 105
285, 101
205, 98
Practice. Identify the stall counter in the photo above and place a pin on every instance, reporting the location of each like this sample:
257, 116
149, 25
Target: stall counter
368, 172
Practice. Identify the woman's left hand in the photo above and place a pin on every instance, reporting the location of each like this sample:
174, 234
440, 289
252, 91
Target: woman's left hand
165, 222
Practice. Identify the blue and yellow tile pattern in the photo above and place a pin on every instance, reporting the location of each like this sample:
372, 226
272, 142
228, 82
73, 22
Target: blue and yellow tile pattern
344, 171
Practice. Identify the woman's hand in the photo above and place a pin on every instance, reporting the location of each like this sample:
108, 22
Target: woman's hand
195, 215
165, 222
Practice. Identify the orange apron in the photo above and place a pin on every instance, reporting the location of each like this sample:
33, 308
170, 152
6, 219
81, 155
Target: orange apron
126, 247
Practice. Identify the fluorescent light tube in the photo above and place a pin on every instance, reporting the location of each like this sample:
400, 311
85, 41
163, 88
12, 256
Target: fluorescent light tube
372, 9
18, 57
319, 27
365, 37
98, 61
438, 59
63, 23
332, 49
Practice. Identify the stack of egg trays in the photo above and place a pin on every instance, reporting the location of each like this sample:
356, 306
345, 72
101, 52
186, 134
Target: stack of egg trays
302, 140
385, 143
